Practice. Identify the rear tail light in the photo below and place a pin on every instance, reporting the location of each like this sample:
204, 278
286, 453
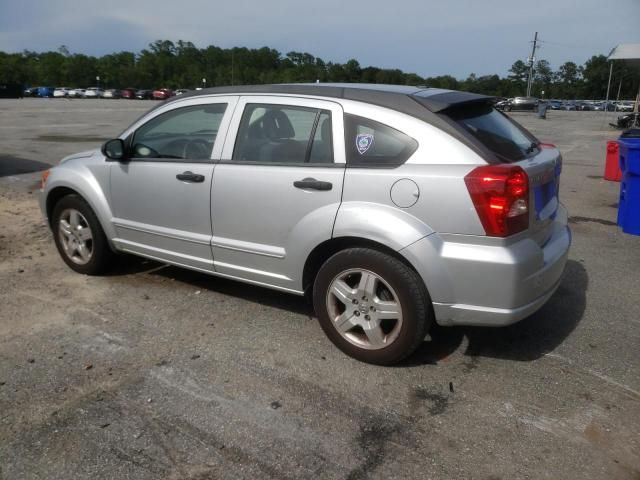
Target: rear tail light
500, 194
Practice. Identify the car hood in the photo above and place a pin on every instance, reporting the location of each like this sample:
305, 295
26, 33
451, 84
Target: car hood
86, 154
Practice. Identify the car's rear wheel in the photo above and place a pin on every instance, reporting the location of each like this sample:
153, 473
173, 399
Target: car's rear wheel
79, 237
371, 305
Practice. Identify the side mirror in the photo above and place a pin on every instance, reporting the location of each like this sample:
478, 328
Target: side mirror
113, 149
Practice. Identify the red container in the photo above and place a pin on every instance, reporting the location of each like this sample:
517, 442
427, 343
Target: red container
612, 165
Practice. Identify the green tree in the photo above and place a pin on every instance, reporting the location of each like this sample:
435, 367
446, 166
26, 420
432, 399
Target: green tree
568, 80
443, 81
518, 75
596, 77
183, 65
353, 71
542, 78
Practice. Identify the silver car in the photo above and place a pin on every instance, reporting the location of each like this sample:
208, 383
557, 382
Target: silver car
394, 207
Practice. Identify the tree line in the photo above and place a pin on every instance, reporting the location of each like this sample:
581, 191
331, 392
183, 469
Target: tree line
183, 65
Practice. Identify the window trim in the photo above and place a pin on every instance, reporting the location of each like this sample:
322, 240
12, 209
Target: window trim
223, 129
312, 136
281, 164
308, 147
337, 124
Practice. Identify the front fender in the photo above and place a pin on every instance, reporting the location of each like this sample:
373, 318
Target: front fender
91, 184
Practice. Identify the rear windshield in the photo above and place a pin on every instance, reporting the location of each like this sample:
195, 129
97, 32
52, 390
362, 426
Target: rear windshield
495, 130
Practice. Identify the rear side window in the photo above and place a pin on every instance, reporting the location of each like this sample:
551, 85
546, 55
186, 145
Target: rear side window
495, 130
284, 134
371, 143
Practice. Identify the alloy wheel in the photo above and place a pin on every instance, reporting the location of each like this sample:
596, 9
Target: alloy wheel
75, 236
364, 309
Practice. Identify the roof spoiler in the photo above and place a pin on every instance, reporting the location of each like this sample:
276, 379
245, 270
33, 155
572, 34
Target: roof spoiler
437, 101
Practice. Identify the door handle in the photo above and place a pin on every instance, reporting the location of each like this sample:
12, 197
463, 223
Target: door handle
190, 177
312, 184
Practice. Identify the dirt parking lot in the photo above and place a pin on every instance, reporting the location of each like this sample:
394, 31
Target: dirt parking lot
154, 372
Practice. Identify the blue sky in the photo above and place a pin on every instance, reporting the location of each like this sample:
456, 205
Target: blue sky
427, 37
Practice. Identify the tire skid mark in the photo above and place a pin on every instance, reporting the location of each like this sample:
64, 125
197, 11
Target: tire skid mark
627, 389
282, 427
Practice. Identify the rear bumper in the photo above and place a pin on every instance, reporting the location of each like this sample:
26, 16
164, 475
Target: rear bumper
482, 316
489, 285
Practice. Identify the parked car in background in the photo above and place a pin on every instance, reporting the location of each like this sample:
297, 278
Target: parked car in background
111, 93
31, 92
521, 103
452, 215
162, 93
76, 93
61, 92
128, 93
46, 91
624, 107
628, 120
93, 92
11, 90
501, 103
181, 91
555, 104
144, 94
570, 105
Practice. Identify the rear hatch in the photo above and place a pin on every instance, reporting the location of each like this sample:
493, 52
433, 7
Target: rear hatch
507, 142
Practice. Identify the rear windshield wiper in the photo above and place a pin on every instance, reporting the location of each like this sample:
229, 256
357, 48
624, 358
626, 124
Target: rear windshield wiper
531, 147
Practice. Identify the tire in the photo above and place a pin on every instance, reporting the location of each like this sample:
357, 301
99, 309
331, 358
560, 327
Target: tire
73, 224
371, 305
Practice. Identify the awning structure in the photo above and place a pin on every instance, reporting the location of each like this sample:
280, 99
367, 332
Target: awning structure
628, 53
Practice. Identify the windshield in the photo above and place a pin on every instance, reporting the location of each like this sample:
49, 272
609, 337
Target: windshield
495, 130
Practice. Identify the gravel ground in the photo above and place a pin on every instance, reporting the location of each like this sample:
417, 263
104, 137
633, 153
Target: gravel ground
153, 372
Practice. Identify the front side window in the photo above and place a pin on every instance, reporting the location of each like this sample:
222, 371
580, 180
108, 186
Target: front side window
370, 143
284, 134
186, 133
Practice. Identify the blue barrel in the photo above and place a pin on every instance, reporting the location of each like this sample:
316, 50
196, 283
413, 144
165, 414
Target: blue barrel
629, 206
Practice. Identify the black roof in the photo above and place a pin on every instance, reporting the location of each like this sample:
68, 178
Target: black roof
403, 98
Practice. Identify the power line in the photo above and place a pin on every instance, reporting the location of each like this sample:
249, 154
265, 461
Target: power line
566, 45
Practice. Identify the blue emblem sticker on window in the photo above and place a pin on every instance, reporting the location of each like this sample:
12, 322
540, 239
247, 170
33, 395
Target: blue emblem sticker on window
364, 141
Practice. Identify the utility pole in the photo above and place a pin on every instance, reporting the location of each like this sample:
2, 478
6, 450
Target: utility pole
619, 89
531, 60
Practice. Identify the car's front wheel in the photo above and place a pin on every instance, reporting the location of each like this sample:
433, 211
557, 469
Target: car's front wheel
371, 305
79, 236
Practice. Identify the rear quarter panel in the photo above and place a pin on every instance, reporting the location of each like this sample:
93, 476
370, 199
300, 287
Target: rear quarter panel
437, 167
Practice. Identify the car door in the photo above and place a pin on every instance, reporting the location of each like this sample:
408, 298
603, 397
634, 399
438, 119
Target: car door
161, 192
277, 188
